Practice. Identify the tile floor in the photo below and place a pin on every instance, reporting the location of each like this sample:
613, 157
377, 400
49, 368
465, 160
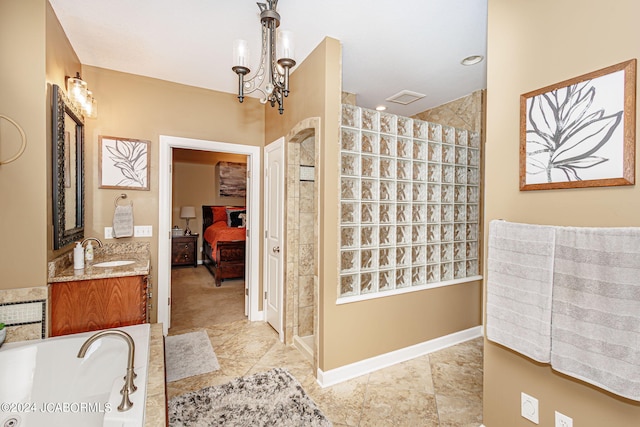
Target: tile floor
442, 389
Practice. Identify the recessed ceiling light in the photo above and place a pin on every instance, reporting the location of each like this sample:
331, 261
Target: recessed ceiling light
381, 108
472, 60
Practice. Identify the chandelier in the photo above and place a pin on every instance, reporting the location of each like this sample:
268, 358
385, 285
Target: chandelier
272, 77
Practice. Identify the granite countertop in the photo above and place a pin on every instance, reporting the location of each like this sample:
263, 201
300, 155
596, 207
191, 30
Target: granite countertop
61, 269
156, 404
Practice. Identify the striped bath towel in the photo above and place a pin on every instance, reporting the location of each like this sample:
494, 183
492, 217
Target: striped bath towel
596, 307
519, 283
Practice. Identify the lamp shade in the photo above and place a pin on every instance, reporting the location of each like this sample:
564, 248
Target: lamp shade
187, 212
286, 45
77, 89
241, 53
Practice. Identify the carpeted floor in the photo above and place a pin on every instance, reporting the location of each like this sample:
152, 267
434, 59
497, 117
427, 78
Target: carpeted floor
196, 301
272, 398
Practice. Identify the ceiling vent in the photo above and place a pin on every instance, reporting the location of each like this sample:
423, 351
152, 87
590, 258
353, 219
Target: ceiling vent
405, 97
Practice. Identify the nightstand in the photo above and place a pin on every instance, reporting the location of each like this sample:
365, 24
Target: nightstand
184, 250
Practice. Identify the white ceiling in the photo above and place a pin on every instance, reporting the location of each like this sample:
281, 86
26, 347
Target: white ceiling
388, 46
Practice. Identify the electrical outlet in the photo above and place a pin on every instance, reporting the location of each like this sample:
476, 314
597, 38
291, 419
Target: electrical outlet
143, 231
108, 232
529, 408
563, 421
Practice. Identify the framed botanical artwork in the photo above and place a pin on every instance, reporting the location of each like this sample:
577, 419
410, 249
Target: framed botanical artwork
123, 163
580, 132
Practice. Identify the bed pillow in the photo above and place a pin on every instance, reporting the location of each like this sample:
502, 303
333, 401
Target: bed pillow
235, 217
219, 213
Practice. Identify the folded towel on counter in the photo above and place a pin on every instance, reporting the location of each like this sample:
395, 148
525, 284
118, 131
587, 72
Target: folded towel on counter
123, 221
596, 307
519, 283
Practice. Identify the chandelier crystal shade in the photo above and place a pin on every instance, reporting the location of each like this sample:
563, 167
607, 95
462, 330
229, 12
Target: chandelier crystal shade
276, 60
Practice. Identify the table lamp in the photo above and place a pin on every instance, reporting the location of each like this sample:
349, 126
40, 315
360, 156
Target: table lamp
187, 212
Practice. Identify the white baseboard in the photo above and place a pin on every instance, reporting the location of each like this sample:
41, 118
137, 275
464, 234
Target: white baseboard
344, 373
303, 348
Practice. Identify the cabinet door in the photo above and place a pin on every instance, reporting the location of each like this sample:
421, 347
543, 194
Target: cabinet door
90, 305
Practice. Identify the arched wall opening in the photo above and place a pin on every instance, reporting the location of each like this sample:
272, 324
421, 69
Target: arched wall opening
302, 238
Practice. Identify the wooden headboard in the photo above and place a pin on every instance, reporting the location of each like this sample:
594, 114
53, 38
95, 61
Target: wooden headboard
207, 214
207, 217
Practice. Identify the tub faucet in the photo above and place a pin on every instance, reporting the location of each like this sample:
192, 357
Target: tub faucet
98, 241
128, 387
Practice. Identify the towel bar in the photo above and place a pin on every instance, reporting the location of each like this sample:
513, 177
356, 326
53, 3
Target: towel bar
23, 138
121, 196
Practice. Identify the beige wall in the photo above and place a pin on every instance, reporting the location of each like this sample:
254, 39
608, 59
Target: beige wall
204, 180
356, 331
32, 39
138, 107
23, 98
143, 108
315, 92
532, 45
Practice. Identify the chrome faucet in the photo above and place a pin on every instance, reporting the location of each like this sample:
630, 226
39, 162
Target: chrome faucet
128, 387
92, 238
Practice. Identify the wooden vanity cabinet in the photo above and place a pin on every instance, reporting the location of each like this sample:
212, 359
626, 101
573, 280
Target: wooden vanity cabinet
89, 305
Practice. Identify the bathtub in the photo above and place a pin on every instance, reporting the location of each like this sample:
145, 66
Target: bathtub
44, 383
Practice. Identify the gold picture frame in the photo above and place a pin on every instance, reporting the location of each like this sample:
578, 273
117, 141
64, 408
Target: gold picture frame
123, 163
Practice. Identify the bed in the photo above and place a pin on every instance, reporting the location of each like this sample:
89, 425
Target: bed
224, 239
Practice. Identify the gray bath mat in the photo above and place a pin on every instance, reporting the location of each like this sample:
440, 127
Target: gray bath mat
188, 355
272, 398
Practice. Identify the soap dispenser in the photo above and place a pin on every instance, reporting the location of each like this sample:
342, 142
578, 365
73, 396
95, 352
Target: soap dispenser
78, 257
88, 252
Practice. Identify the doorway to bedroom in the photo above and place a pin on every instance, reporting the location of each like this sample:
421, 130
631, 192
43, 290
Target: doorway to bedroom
168, 219
210, 187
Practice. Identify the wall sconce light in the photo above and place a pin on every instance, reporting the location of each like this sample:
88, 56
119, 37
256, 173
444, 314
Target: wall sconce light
82, 97
187, 212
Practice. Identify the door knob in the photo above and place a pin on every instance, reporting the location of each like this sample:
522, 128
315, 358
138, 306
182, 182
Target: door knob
276, 249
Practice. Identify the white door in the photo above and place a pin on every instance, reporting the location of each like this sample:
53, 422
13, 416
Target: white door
247, 262
165, 264
273, 226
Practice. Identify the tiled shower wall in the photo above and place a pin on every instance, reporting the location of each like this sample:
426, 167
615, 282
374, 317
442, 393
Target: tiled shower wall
409, 209
463, 113
301, 235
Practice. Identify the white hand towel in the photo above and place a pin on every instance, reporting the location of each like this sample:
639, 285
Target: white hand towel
595, 332
123, 221
519, 282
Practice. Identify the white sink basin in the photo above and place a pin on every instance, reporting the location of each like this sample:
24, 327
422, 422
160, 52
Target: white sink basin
118, 263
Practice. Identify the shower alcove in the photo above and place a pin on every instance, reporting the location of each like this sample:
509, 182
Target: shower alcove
302, 248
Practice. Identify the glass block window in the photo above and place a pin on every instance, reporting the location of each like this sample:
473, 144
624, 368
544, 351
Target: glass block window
409, 203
